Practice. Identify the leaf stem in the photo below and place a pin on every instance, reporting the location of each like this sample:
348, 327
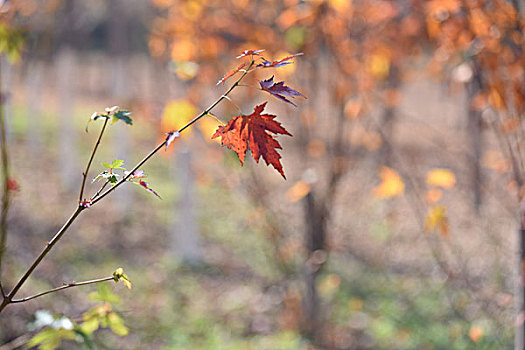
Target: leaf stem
66, 286
190, 123
85, 173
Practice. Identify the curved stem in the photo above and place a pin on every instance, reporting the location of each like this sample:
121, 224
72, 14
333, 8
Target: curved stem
85, 173
66, 286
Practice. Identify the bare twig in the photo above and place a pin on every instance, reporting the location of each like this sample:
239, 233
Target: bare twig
100, 190
66, 286
8, 299
85, 173
5, 179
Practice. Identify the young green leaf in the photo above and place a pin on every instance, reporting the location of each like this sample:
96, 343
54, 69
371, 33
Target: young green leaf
119, 275
122, 115
116, 164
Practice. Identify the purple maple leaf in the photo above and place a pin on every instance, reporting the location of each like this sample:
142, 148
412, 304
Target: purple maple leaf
279, 63
279, 90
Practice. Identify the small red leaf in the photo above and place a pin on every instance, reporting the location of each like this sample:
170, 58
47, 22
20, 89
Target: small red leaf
231, 73
254, 131
249, 52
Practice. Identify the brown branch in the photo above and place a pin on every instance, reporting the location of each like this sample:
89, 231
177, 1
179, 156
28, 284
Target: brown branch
85, 173
8, 299
66, 286
5, 179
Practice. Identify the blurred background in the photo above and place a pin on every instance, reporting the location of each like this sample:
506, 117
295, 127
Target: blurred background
397, 226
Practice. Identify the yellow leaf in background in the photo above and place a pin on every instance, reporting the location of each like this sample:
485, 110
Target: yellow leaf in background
183, 50
437, 220
298, 191
330, 283
341, 5
441, 177
355, 304
475, 333
177, 114
207, 126
391, 184
378, 65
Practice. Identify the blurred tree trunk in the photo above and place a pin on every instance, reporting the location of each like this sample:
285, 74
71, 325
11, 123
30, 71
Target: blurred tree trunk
389, 119
315, 220
185, 230
474, 135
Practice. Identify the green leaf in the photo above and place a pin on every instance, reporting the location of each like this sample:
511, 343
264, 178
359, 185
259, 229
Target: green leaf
119, 275
117, 325
122, 115
104, 293
85, 337
90, 325
116, 164
113, 179
50, 338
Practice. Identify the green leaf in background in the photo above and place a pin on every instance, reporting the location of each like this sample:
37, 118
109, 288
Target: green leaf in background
104, 293
50, 338
117, 325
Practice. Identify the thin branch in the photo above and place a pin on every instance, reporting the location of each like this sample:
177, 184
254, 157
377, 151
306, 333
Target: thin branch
7, 300
66, 286
85, 173
5, 177
100, 190
190, 123
2, 290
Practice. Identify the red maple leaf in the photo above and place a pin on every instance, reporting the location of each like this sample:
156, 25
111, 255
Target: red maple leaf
231, 73
254, 131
